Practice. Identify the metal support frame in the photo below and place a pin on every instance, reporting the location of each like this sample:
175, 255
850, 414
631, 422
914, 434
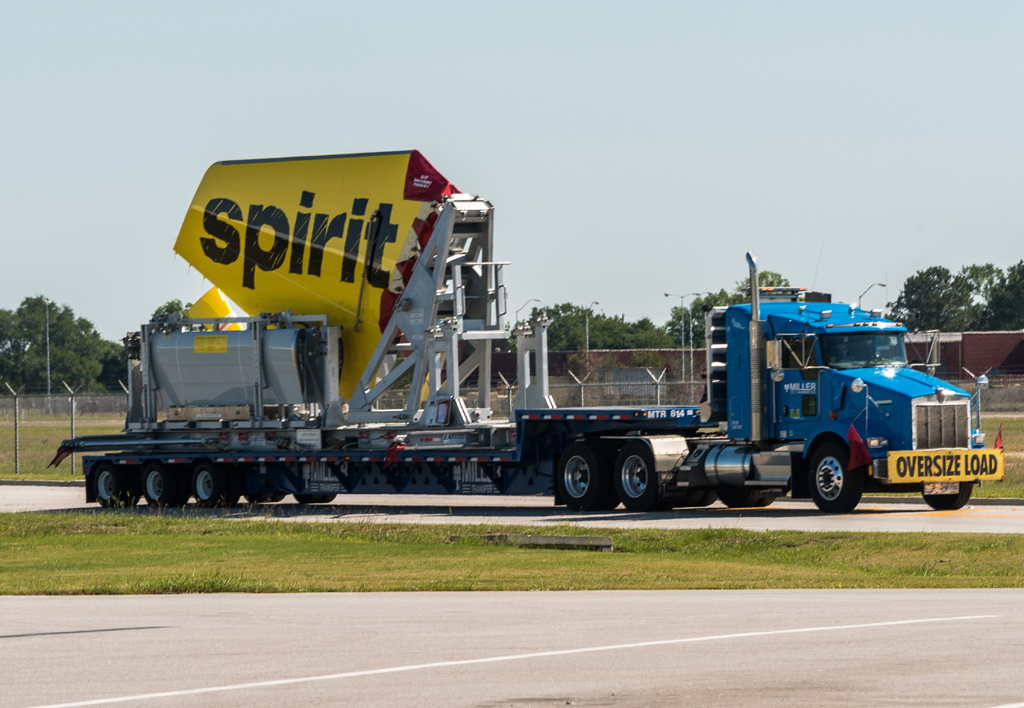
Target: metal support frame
455, 294
533, 395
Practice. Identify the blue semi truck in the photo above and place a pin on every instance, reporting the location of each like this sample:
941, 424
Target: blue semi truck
812, 399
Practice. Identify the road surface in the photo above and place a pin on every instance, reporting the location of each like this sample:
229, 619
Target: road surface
540, 511
697, 648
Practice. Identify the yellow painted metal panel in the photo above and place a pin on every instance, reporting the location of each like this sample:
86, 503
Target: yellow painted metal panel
953, 465
211, 344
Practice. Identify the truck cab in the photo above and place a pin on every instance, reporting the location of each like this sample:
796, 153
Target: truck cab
831, 384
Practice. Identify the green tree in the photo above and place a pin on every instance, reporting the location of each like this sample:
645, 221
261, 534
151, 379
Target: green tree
1005, 306
173, 306
694, 315
934, 298
78, 354
568, 330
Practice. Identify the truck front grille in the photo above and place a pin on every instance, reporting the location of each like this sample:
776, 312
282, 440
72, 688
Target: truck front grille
942, 425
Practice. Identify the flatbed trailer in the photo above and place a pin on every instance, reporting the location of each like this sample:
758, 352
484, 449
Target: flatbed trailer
527, 468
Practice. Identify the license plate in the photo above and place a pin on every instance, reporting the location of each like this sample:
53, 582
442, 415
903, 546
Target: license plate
952, 465
941, 487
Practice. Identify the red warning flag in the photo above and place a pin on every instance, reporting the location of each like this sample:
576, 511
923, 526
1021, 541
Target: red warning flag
999, 437
859, 455
391, 456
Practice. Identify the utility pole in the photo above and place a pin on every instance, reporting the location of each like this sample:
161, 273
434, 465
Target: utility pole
586, 326
17, 466
47, 302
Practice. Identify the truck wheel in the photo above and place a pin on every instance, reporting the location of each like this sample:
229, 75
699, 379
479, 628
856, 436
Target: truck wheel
113, 487
582, 478
950, 502
635, 478
696, 498
161, 486
211, 487
834, 488
743, 498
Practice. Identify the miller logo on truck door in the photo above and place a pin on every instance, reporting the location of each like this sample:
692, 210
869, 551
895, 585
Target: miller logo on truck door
311, 233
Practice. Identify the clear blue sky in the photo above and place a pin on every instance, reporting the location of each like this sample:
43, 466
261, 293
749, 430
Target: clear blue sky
630, 148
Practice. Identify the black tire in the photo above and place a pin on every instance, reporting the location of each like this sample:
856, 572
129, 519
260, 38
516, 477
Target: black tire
211, 486
695, 498
162, 487
834, 488
635, 478
950, 502
744, 498
113, 487
583, 478
314, 498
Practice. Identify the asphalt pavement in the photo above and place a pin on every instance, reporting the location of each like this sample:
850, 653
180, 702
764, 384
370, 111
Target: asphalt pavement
540, 511
676, 648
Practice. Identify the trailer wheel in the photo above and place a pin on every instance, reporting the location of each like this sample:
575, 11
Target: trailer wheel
211, 486
161, 486
696, 498
950, 502
743, 498
834, 488
636, 479
314, 498
582, 477
113, 487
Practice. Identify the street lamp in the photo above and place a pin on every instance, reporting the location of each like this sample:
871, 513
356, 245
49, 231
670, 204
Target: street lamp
536, 299
866, 292
586, 314
47, 302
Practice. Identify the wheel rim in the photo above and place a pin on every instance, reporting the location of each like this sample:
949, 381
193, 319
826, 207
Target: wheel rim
204, 485
105, 484
634, 476
829, 478
155, 485
577, 477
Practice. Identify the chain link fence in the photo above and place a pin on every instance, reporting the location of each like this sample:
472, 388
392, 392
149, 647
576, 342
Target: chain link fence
33, 427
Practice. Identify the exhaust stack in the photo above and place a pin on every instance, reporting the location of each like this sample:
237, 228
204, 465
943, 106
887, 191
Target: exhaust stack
756, 364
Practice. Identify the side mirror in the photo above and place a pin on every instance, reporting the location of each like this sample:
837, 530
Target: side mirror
981, 381
857, 385
773, 352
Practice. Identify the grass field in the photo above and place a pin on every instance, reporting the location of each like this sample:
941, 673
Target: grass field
40, 439
123, 553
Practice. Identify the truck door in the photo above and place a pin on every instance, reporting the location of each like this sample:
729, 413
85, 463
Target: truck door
797, 397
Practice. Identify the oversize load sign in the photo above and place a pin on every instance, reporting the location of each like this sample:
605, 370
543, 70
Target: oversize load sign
946, 465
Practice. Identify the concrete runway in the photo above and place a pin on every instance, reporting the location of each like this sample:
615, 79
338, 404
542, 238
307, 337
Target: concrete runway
540, 511
686, 648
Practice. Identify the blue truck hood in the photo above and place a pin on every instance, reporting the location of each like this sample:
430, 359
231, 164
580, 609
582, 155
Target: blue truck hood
899, 382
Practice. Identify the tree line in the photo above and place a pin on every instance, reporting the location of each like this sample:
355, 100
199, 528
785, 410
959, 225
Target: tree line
977, 298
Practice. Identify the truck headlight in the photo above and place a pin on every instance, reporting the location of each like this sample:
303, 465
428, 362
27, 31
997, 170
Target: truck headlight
979, 439
878, 442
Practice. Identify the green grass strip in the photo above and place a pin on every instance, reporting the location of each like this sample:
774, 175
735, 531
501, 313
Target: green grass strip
105, 553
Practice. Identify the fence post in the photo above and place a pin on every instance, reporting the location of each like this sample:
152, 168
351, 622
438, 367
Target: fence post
72, 392
16, 412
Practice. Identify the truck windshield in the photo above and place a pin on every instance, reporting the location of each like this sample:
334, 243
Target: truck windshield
854, 351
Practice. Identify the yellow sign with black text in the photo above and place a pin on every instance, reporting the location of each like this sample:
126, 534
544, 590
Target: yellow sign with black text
317, 235
211, 344
953, 465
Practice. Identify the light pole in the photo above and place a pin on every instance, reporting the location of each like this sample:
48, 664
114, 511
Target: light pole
47, 302
866, 292
536, 299
586, 343
685, 334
